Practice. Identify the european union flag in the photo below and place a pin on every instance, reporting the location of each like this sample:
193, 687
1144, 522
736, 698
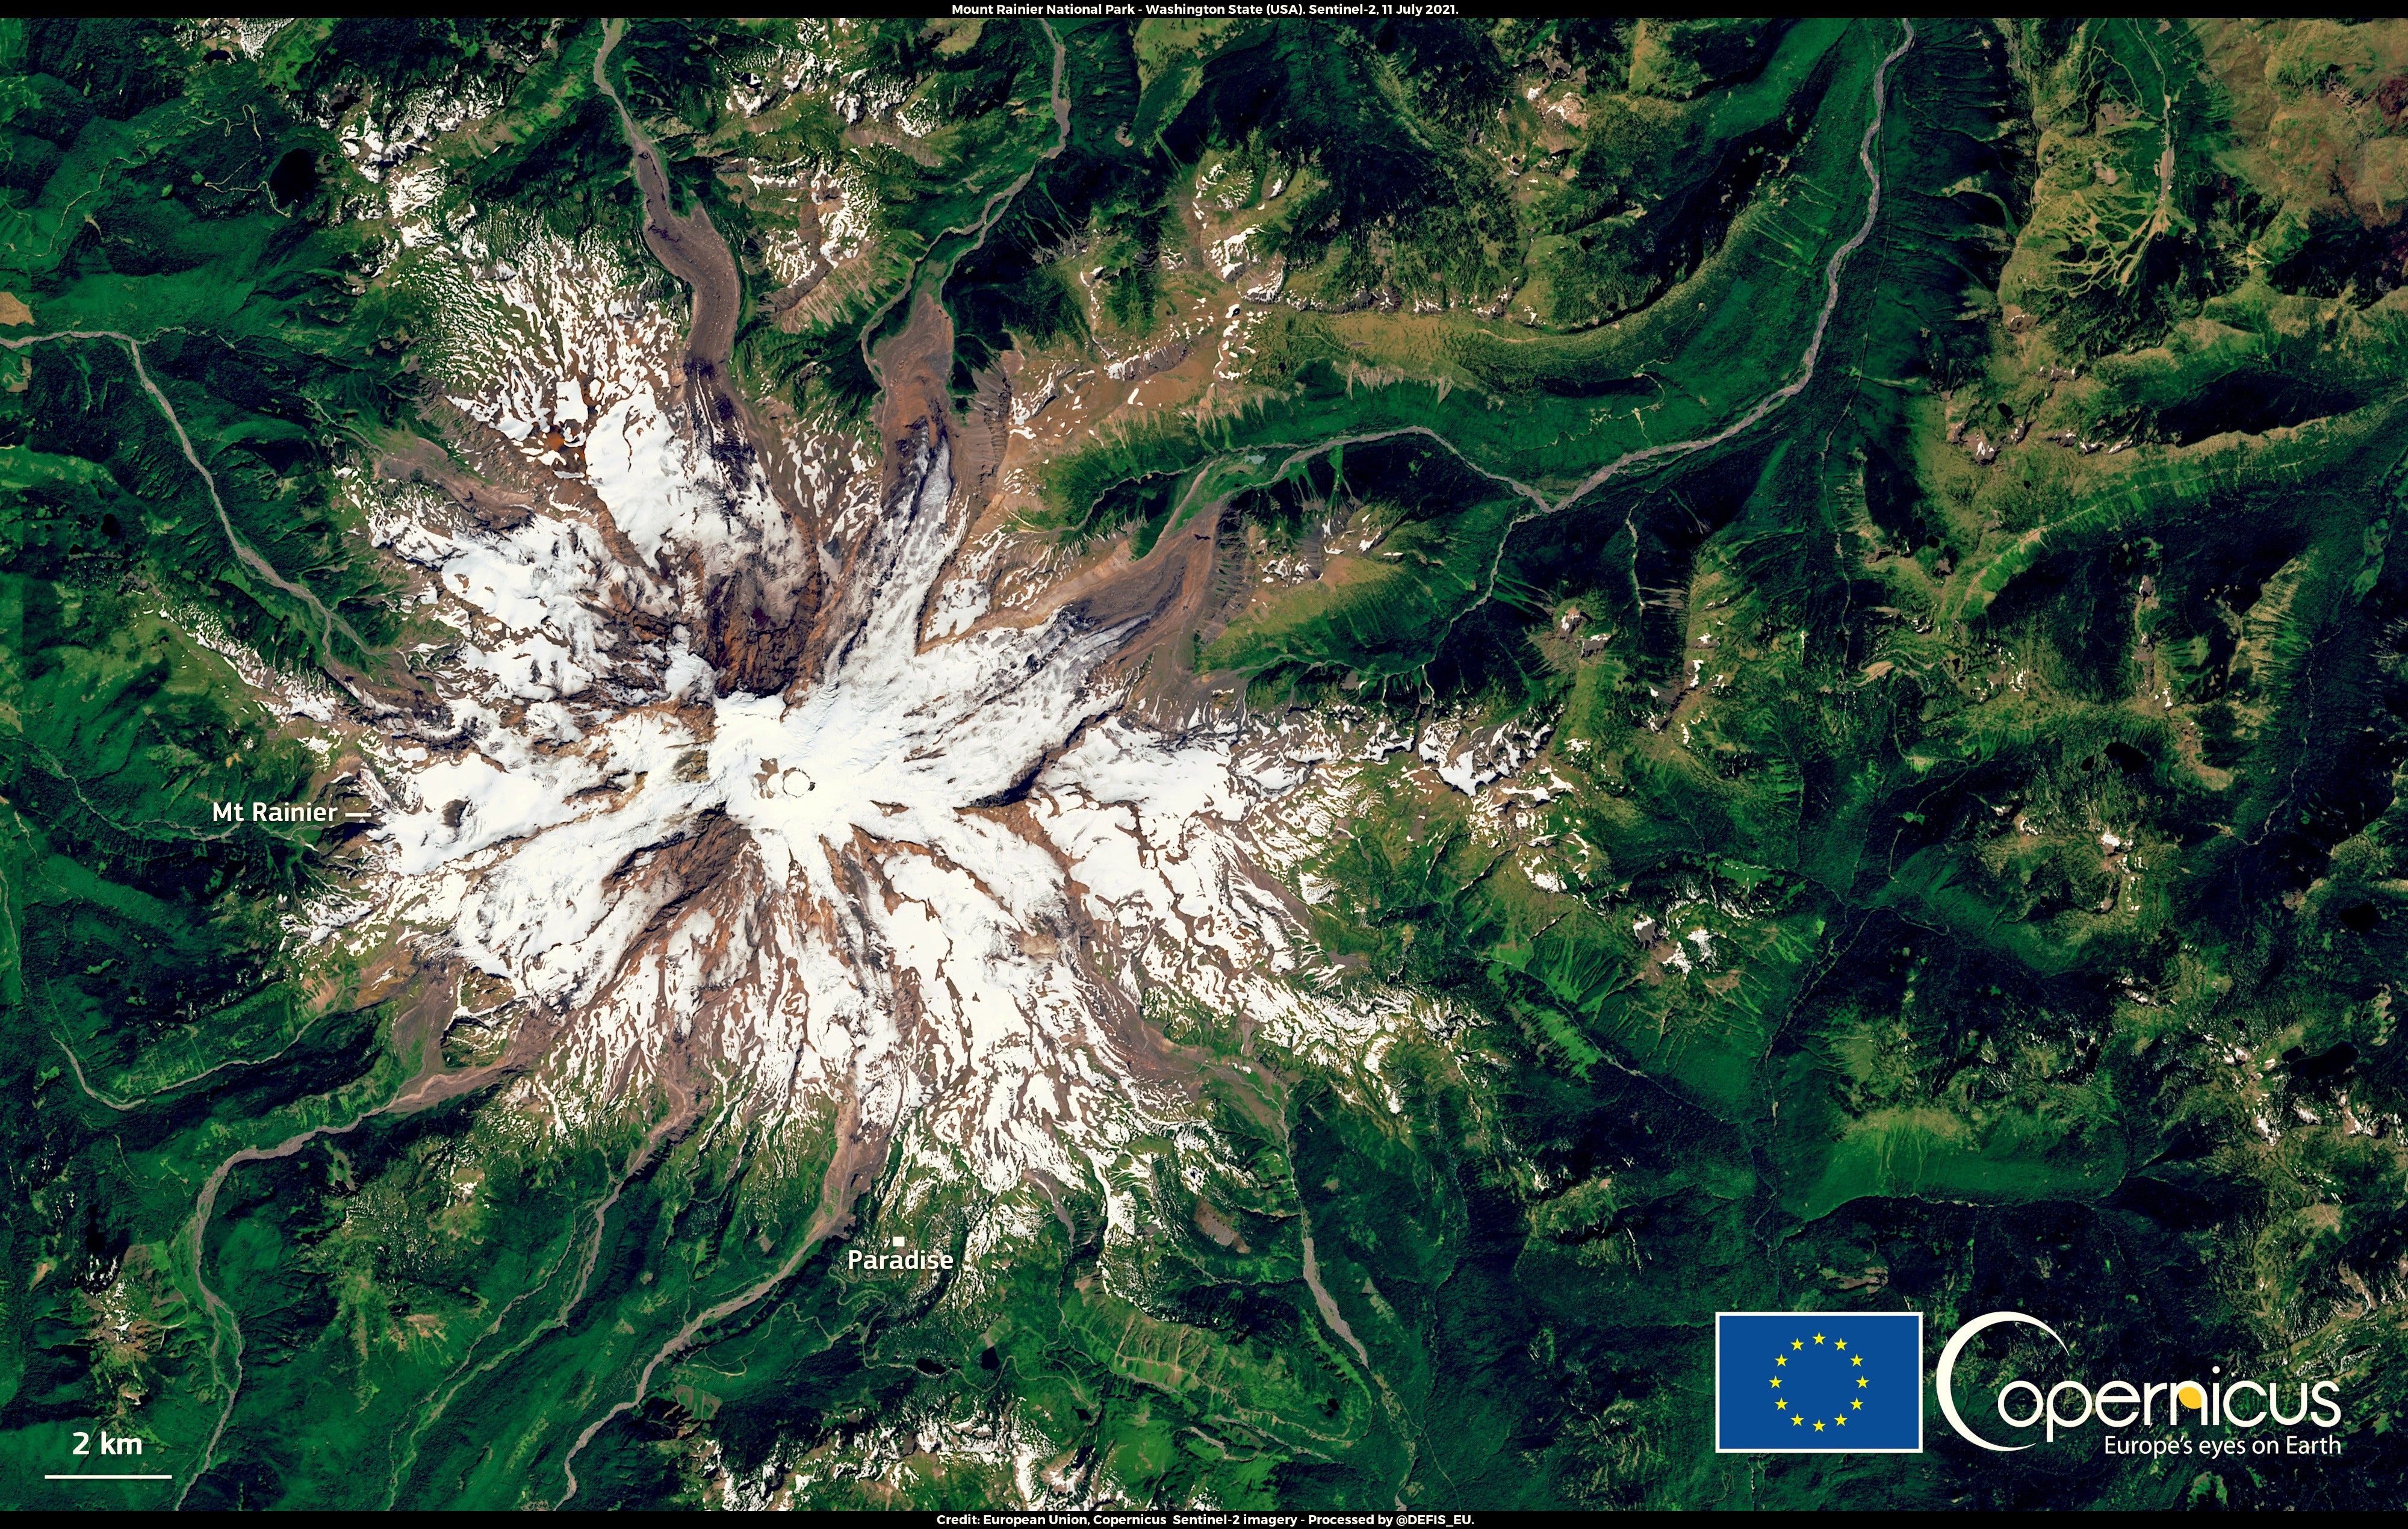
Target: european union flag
1818, 1383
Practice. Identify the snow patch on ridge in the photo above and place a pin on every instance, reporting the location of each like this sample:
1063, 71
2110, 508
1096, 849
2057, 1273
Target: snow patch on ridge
1468, 758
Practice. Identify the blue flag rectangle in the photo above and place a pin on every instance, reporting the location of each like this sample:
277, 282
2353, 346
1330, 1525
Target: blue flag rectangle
1818, 1383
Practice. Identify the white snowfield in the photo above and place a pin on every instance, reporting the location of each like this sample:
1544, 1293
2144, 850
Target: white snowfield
792, 895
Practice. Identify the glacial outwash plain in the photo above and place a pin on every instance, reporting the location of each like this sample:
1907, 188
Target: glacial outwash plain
1074, 763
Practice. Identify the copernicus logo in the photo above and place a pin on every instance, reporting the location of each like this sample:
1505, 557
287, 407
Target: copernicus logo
2213, 1400
1818, 1383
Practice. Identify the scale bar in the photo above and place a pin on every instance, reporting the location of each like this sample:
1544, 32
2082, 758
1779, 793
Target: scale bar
100, 1476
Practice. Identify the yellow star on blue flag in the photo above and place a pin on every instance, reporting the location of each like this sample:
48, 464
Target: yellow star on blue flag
1818, 1383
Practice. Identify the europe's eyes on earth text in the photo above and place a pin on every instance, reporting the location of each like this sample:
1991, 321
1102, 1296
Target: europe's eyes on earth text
1201, 760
